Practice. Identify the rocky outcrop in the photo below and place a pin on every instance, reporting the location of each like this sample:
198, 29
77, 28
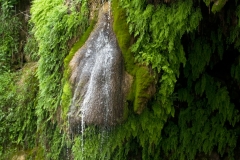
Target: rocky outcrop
98, 79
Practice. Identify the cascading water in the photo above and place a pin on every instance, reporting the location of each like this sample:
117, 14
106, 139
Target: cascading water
98, 80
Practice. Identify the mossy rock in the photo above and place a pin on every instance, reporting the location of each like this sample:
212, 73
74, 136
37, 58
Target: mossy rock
67, 90
98, 77
143, 86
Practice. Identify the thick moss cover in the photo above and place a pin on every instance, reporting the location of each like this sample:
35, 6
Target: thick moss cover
143, 86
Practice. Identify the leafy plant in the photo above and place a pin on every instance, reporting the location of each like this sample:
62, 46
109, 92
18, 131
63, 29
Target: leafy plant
9, 33
18, 120
158, 31
54, 25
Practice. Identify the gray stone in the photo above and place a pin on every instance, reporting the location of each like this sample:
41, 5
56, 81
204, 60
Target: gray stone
99, 81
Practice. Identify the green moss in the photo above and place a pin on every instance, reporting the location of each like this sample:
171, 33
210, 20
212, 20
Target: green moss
67, 90
124, 39
66, 98
143, 88
36, 153
142, 78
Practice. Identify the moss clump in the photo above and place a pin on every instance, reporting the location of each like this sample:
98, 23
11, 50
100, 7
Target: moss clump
37, 153
67, 91
143, 80
144, 90
124, 39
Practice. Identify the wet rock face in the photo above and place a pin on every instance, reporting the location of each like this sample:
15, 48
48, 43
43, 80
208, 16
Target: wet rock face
98, 78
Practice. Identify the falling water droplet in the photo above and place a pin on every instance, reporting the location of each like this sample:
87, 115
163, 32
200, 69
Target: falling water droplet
68, 156
82, 131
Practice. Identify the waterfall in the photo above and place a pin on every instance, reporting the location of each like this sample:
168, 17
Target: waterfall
98, 80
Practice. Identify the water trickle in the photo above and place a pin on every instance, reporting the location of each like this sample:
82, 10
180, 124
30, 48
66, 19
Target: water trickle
68, 157
98, 81
98, 77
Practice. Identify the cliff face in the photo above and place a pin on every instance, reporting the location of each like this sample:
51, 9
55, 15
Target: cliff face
150, 80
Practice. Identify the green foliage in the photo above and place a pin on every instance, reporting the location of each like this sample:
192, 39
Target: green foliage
7, 7
218, 5
31, 48
6, 101
17, 105
56, 143
201, 124
159, 31
143, 81
143, 87
119, 141
9, 35
54, 24
235, 29
53, 28
198, 72
235, 70
207, 2
200, 53
26, 101
207, 116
